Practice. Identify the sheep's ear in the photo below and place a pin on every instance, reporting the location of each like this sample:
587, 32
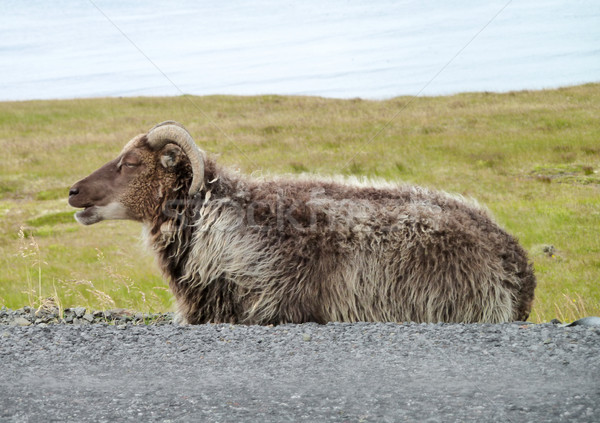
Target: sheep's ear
170, 155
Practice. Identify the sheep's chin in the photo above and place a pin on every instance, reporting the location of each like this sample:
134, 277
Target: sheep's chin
88, 216
95, 214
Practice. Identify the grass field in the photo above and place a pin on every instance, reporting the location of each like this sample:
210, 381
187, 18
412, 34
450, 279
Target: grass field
533, 158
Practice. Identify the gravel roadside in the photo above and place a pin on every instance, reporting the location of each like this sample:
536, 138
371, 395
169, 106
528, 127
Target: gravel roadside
124, 370
45, 316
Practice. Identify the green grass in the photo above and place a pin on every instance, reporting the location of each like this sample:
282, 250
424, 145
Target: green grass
531, 157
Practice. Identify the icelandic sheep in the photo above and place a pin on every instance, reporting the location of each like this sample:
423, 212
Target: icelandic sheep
240, 249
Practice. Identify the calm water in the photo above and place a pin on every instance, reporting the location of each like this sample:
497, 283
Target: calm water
339, 48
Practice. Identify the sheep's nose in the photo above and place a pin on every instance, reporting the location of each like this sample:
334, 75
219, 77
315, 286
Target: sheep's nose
73, 191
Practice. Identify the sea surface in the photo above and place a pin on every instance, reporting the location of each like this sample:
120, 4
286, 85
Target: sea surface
338, 48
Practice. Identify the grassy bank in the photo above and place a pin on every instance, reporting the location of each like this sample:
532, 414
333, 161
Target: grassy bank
533, 158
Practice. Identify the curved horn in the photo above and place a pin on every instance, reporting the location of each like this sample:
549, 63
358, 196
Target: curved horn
167, 122
170, 131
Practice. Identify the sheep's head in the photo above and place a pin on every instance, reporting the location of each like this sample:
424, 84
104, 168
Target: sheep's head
133, 185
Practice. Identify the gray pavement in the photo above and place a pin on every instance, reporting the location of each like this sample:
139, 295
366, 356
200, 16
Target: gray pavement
364, 372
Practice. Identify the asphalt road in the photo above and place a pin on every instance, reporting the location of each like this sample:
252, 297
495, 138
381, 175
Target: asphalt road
302, 373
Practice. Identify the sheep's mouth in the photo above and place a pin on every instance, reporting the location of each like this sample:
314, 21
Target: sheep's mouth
94, 213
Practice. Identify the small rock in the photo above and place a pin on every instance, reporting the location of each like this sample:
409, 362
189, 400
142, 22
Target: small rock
549, 250
47, 312
88, 317
586, 321
20, 321
79, 311
306, 337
